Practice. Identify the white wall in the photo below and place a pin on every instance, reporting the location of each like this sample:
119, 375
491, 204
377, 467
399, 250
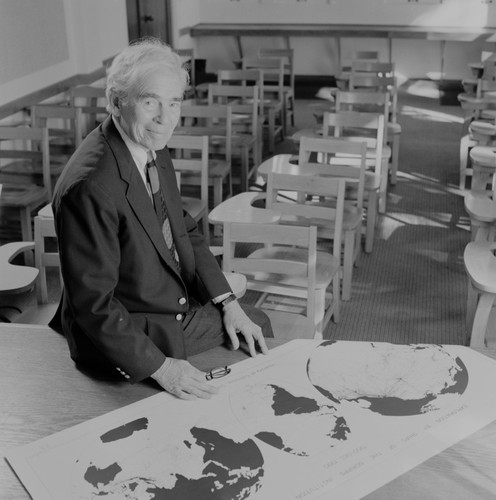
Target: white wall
318, 56
94, 29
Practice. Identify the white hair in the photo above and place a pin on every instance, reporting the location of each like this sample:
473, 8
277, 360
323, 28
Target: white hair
133, 64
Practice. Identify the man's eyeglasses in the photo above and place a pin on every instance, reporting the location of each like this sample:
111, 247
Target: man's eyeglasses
219, 372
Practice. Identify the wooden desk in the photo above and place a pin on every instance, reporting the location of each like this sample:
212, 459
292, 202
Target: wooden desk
41, 392
240, 208
338, 31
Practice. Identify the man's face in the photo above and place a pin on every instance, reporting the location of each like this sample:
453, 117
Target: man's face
152, 110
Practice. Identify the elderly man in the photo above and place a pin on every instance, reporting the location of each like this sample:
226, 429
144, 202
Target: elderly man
142, 291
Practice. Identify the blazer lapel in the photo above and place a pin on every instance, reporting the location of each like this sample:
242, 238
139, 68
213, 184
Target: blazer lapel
136, 192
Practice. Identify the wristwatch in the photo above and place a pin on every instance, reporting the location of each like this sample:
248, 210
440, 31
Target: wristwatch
223, 303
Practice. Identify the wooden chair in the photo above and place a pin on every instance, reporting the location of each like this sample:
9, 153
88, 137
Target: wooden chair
480, 264
245, 142
65, 130
215, 121
287, 55
14, 278
480, 201
190, 158
242, 122
27, 148
287, 265
324, 157
92, 102
64, 124
381, 78
368, 127
272, 94
343, 78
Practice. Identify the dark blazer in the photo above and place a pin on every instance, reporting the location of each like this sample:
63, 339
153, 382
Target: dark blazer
123, 297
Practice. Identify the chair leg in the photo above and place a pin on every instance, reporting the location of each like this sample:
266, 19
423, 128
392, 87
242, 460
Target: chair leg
335, 298
484, 306
245, 168
348, 258
395, 156
27, 232
383, 187
472, 297
465, 144
371, 221
319, 312
217, 199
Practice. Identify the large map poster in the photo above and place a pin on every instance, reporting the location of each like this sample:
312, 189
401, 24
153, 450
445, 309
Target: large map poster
308, 419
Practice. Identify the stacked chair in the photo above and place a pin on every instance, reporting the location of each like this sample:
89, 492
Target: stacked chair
479, 103
480, 254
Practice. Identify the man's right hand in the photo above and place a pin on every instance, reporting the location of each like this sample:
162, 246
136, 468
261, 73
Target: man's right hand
182, 379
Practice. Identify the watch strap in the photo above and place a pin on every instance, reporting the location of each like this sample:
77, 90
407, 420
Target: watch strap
230, 298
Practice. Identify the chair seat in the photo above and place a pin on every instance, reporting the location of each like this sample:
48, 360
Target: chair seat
484, 156
21, 195
482, 128
393, 128
243, 140
480, 263
327, 266
237, 282
480, 207
26, 168
14, 278
216, 169
194, 206
351, 220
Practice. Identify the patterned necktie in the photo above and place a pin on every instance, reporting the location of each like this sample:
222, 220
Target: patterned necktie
161, 208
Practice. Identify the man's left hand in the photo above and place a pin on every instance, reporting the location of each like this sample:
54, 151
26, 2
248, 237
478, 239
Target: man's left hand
236, 320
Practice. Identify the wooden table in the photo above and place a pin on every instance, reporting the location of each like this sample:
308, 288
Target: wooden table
338, 31
41, 392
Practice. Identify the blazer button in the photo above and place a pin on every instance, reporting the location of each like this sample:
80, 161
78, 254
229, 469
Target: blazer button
179, 317
182, 301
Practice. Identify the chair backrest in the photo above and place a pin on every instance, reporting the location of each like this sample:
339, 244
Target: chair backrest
62, 121
358, 127
337, 158
26, 144
375, 82
190, 155
272, 75
287, 55
239, 77
365, 101
257, 269
213, 120
93, 104
243, 77
302, 209
243, 101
